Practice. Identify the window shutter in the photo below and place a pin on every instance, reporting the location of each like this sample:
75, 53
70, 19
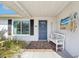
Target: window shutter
31, 26
9, 26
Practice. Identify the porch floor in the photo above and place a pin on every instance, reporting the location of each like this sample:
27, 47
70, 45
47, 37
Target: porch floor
40, 45
47, 45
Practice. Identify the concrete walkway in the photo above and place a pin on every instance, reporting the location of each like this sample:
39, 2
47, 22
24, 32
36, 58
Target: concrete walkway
38, 53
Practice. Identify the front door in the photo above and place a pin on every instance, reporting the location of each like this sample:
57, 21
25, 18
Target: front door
43, 30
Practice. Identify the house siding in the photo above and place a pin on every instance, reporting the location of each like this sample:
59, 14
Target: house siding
36, 27
72, 38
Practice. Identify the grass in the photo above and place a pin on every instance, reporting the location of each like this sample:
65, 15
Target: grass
11, 47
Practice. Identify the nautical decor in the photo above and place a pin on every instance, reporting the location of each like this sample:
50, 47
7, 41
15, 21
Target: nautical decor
69, 23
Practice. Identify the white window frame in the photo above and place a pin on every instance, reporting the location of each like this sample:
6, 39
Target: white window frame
21, 28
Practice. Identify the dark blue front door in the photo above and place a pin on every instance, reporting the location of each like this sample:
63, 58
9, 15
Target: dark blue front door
42, 30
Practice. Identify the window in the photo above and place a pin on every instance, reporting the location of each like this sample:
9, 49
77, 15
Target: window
21, 27
25, 27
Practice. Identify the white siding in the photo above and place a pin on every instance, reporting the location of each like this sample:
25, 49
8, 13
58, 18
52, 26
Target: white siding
36, 27
72, 38
36, 31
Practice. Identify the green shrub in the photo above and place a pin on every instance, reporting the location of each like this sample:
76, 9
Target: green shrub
12, 47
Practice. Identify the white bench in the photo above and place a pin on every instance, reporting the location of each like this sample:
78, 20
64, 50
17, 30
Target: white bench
58, 39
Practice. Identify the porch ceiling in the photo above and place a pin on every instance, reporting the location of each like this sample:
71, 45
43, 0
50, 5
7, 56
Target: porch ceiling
37, 8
